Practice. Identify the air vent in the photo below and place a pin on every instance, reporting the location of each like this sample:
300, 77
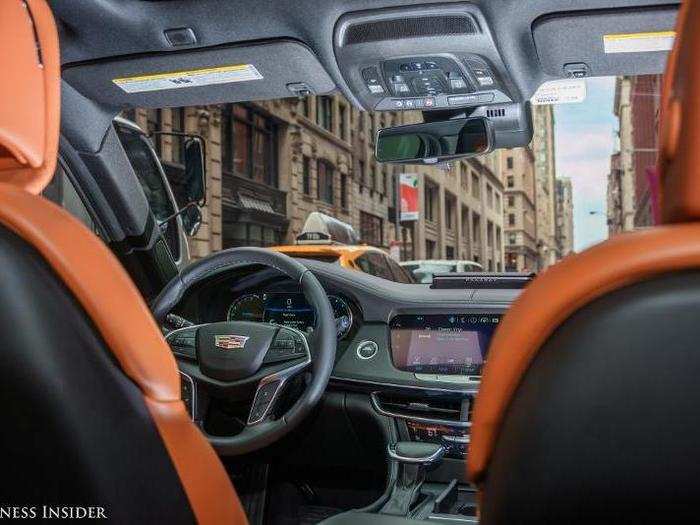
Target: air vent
402, 28
496, 112
422, 408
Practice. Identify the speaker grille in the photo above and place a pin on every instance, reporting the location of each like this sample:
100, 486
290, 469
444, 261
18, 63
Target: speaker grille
409, 28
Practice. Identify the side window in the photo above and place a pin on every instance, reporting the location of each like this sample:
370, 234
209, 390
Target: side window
381, 266
400, 274
62, 192
152, 182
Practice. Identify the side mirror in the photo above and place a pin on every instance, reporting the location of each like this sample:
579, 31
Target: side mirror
195, 172
433, 142
191, 220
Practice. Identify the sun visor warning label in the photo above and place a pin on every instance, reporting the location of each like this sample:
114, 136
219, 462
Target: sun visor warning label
188, 79
639, 42
568, 91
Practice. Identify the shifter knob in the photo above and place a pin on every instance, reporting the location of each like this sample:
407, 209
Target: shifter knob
416, 453
414, 460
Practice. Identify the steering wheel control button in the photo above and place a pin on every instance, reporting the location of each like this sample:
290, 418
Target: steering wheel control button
263, 400
183, 342
367, 349
286, 346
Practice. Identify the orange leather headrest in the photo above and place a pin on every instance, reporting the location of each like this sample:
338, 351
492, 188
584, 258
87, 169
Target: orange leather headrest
679, 132
29, 94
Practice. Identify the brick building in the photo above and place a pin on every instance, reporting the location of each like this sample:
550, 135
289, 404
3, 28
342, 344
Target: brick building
271, 163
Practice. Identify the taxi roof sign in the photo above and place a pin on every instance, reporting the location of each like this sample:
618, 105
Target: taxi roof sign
320, 228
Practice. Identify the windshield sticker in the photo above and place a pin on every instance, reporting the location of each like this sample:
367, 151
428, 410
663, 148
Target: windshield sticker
639, 42
567, 91
190, 78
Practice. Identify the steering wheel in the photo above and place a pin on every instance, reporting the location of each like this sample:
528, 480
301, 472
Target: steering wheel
241, 360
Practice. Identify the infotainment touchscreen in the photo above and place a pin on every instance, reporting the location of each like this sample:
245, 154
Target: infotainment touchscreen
442, 344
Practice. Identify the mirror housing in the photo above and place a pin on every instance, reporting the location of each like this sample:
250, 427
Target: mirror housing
432, 142
195, 171
507, 126
189, 188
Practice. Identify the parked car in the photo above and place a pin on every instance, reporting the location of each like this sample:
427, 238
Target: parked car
424, 270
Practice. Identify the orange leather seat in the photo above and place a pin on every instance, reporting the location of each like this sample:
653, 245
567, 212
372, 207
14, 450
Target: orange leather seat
94, 414
587, 410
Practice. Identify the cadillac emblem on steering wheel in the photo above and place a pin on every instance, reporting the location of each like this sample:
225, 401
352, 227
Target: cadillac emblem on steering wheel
230, 342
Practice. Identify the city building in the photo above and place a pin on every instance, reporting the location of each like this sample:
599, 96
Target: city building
564, 216
632, 179
545, 175
615, 194
518, 171
272, 163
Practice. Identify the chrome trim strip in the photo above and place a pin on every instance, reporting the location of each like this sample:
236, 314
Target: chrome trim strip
398, 385
282, 376
194, 393
434, 421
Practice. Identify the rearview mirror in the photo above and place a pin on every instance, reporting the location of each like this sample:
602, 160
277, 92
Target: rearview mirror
433, 142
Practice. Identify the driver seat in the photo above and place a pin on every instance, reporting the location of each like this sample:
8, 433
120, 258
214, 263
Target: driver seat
588, 406
91, 391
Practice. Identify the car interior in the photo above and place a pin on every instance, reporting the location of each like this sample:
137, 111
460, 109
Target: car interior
253, 387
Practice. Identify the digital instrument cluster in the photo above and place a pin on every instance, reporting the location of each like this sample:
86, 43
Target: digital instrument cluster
288, 309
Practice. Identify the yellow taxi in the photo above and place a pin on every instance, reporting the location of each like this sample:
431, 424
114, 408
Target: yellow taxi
327, 239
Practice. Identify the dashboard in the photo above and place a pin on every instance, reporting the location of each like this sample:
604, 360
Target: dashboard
417, 352
389, 334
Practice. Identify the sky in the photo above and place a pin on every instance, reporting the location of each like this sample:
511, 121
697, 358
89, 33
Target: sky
584, 140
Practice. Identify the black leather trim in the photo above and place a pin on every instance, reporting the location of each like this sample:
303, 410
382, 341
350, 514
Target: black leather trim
604, 426
76, 430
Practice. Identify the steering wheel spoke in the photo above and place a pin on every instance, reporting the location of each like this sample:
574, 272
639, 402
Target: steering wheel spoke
183, 342
289, 345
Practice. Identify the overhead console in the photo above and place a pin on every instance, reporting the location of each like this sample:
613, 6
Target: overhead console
427, 57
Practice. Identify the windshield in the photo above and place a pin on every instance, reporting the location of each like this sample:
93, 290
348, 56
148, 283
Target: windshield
589, 172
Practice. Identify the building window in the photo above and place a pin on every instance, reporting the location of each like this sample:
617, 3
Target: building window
511, 201
449, 252
306, 107
431, 196
154, 124
450, 212
324, 181
511, 219
306, 175
177, 124
509, 163
324, 112
429, 249
476, 190
510, 181
373, 178
344, 191
498, 202
489, 196
512, 239
249, 144
342, 117
362, 174
371, 229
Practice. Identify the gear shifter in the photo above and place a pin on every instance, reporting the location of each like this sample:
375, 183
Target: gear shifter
415, 459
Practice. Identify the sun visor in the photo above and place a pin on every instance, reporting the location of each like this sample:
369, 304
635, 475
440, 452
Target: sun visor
630, 41
259, 71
